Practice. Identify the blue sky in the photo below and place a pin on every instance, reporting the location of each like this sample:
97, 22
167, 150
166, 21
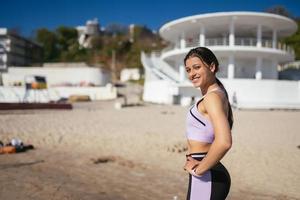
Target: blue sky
28, 15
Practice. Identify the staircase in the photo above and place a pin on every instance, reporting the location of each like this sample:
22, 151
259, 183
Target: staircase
161, 69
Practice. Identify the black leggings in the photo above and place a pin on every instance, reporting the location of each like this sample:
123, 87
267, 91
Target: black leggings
212, 185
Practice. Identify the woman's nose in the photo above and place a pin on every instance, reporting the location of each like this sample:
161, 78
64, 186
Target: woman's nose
192, 73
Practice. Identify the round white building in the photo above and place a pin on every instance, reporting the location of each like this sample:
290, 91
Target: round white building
247, 47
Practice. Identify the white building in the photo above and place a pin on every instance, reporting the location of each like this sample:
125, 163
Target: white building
87, 32
246, 45
17, 50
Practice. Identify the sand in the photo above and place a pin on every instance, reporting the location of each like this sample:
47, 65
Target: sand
98, 152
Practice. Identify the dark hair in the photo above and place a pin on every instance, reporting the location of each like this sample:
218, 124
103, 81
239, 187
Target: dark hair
209, 58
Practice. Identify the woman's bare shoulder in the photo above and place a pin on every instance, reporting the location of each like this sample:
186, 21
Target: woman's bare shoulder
215, 101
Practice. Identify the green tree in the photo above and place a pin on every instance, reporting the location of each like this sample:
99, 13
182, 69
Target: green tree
68, 45
97, 42
66, 37
49, 41
280, 10
62, 45
294, 41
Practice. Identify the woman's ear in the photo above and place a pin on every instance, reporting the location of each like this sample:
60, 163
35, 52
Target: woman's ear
212, 67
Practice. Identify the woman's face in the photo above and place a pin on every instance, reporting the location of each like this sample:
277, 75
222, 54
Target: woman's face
198, 72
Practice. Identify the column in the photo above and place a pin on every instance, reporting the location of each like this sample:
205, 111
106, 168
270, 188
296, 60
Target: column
202, 36
258, 36
231, 33
258, 73
224, 39
274, 39
182, 73
182, 41
275, 69
230, 72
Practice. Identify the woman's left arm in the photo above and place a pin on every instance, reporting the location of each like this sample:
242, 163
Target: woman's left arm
223, 141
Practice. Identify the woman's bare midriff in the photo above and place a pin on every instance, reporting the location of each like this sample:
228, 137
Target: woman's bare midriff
197, 147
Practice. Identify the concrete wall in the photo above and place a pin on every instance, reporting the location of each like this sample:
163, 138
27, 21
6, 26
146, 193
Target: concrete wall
16, 94
130, 74
58, 76
250, 93
264, 93
159, 92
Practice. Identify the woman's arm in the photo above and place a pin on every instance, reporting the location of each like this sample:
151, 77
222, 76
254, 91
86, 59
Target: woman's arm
222, 142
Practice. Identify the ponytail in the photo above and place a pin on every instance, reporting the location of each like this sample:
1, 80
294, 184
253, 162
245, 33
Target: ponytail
230, 115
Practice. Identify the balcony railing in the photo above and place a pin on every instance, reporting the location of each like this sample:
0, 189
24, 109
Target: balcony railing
252, 42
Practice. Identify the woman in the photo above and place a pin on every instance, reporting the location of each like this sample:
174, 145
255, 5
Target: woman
209, 124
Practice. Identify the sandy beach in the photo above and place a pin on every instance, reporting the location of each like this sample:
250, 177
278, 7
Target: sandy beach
98, 152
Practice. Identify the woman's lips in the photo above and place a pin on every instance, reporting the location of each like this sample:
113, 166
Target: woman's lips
194, 80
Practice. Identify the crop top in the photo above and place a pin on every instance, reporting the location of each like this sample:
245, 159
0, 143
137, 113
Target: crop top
198, 127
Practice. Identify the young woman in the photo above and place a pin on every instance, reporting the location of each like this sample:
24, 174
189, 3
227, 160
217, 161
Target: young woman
209, 123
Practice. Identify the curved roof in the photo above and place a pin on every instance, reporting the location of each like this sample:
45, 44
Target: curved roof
217, 24
238, 51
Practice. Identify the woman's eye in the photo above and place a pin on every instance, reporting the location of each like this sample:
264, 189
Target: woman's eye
187, 70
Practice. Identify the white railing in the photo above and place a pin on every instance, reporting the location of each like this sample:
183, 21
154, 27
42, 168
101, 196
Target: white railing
239, 41
246, 42
216, 42
164, 67
168, 48
147, 61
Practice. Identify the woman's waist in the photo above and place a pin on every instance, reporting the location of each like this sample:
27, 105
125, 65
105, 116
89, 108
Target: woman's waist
196, 146
200, 155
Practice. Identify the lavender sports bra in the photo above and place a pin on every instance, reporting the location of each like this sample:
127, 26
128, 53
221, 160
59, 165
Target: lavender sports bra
198, 127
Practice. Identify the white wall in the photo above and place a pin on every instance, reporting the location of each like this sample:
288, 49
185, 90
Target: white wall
58, 76
264, 93
268, 70
159, 92
16, 94
245, 68
223, 68
251, 94
130, 74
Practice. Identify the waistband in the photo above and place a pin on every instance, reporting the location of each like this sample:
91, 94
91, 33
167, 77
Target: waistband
197, 155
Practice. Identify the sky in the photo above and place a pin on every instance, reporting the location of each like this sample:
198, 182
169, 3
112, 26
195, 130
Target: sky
29, 15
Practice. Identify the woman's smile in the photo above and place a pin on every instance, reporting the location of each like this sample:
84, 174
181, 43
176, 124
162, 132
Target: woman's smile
195, 79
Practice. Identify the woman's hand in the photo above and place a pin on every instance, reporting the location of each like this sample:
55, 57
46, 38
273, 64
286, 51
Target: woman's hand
191, 165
